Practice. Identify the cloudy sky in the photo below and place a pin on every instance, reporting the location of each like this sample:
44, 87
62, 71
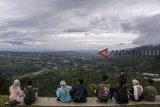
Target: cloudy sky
47, 25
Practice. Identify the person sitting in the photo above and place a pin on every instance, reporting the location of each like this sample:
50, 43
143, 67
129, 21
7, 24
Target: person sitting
79, 92
63, 93
30, 93
16, 94
103, 90
121, 94
149, 93
136, 91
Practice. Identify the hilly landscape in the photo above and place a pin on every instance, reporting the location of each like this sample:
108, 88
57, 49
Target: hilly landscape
47, 69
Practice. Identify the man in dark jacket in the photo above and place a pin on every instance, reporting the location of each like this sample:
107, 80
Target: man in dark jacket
121, 94
30, 94
79, 92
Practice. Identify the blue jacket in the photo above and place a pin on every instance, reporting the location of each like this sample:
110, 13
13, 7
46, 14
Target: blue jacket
64, 97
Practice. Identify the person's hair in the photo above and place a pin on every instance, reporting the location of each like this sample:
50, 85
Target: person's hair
29, 82
80, 81
104, 77
150, 81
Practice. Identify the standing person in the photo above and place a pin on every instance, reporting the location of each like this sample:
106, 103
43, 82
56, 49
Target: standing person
136, 91
121, 94
63, 93
79, 93
30, 93
103, 90
149, 93
123, 77
16, 94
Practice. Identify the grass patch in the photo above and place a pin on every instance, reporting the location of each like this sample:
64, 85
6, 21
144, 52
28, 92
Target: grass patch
3, 99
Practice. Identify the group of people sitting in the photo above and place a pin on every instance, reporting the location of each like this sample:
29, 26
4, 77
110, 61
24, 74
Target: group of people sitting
27, 96
104, 91
66, 93
121, 94
78, 93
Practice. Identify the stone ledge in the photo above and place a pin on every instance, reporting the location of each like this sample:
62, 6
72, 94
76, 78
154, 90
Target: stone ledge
91, 101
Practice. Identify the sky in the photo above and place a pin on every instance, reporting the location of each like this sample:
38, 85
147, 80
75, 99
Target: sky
49, 25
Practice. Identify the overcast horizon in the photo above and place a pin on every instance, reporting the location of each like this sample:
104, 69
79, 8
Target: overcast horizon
56, 25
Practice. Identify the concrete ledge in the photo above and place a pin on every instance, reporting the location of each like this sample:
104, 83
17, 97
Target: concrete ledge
91, 101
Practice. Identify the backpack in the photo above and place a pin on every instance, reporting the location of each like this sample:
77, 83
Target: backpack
29, 96
104, 93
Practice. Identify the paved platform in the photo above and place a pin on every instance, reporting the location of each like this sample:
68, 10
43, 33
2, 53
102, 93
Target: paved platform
91, 101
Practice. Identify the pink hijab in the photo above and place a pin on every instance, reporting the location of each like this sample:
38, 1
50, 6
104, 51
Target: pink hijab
15, 91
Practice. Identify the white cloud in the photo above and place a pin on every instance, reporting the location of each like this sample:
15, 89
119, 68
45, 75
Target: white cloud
74, 24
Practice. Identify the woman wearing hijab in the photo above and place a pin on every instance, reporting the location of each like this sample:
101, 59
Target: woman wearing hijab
16, 94
63, 93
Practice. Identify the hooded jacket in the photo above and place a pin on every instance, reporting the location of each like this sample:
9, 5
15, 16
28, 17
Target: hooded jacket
64, 94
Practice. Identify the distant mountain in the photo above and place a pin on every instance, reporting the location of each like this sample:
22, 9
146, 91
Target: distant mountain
147, 47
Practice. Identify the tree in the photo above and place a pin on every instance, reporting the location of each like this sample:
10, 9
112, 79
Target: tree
4, 86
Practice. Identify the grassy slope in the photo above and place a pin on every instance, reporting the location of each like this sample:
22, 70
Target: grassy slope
32, 74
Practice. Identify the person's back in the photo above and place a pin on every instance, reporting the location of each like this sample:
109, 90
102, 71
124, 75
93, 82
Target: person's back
16, 94
30, 94
104, 90
79, 93
149, 93
63, 93
121, 94
136, 91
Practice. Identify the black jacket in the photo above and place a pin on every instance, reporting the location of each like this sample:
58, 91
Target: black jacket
79, 93
121, 95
